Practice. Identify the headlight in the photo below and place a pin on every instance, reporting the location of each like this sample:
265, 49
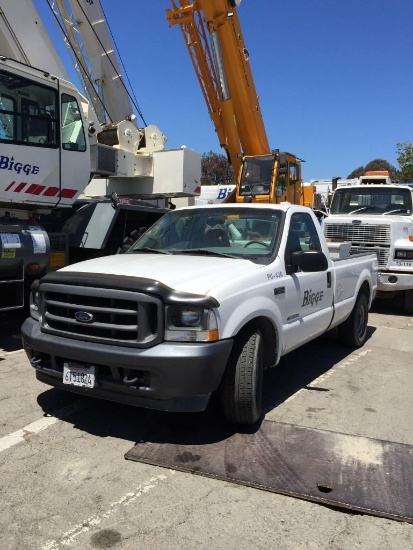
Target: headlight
191, 317
403, 254
190, 324
35, 301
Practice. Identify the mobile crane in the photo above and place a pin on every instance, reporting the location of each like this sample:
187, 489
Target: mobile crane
59, 145
213, 37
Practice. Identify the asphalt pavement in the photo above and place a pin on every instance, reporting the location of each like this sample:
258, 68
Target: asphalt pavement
65, 483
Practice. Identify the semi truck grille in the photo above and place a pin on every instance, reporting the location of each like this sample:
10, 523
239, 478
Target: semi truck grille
363, 238
110, 316
382, 253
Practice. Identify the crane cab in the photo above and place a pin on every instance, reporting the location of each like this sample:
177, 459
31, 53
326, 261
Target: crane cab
45, 156
273, 178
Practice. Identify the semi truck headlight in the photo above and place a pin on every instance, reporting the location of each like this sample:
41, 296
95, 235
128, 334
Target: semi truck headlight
403, 254
34, 301
190, 324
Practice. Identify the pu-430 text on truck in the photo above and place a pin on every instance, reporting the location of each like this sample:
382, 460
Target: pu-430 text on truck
206, 300
376, 215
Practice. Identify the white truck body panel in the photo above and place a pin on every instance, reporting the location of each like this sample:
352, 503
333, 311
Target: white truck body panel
213, 194
204, 274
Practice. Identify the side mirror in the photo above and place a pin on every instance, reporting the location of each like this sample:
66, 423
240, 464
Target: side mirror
311, 261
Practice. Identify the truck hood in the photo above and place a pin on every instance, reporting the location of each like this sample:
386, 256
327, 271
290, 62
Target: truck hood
194, 274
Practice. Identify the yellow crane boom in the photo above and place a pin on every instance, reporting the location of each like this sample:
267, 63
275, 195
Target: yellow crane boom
214, 39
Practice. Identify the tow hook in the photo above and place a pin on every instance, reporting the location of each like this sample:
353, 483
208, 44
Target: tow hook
140, 380
131, 381
35, 361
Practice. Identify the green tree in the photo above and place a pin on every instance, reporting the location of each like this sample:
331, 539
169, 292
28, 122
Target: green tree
376, 164
404, 153
356, 173
216, 169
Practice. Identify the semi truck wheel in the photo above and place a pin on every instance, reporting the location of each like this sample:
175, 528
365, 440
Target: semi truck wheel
353, 331
241, 387
408, 301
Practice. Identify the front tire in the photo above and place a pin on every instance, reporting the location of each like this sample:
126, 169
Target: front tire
241, 387
353, 332
408, 301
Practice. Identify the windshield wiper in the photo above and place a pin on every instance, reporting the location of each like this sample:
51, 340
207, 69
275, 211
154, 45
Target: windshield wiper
358, 210
203, 252
394, 211
152, 250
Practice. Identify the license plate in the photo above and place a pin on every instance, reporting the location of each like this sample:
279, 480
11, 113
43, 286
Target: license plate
79, 375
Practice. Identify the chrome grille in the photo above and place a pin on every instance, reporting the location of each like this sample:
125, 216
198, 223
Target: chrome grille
369, 234
114, 316
382, 253
363, 238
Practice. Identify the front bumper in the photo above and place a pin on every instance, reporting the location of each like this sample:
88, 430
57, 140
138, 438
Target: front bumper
170, 376
398, 281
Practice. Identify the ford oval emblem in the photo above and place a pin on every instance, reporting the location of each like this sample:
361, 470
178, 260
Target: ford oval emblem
83, 317
356, 222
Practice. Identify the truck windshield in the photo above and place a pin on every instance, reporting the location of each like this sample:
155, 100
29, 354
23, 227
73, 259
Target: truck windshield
372, 201
28, 112
250, 233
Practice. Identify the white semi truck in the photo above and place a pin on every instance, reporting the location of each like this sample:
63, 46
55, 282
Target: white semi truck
376, 215
206, 300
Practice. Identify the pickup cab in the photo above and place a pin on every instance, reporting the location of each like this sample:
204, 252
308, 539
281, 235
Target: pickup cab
203, 302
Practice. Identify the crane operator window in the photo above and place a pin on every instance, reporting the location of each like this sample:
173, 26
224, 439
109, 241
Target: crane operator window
256, 176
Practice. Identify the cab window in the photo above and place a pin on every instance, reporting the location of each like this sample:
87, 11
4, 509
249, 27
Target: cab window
293, 173
302, 236
28, 113
73, 135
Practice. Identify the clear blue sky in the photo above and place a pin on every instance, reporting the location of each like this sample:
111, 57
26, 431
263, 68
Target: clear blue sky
335, 77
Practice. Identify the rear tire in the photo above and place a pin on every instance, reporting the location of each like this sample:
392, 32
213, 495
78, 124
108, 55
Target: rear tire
408, 301
353, 332
241, 387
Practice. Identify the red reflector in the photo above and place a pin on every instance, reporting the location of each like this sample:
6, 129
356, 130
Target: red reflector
68, 193
21, 186
51, 192
35, 189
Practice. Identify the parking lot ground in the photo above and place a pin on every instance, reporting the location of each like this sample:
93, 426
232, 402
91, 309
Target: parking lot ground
64, 481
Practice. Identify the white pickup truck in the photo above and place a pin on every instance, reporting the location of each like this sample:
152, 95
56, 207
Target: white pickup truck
206, 300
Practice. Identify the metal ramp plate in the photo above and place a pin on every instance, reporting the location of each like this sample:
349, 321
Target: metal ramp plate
356, 473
